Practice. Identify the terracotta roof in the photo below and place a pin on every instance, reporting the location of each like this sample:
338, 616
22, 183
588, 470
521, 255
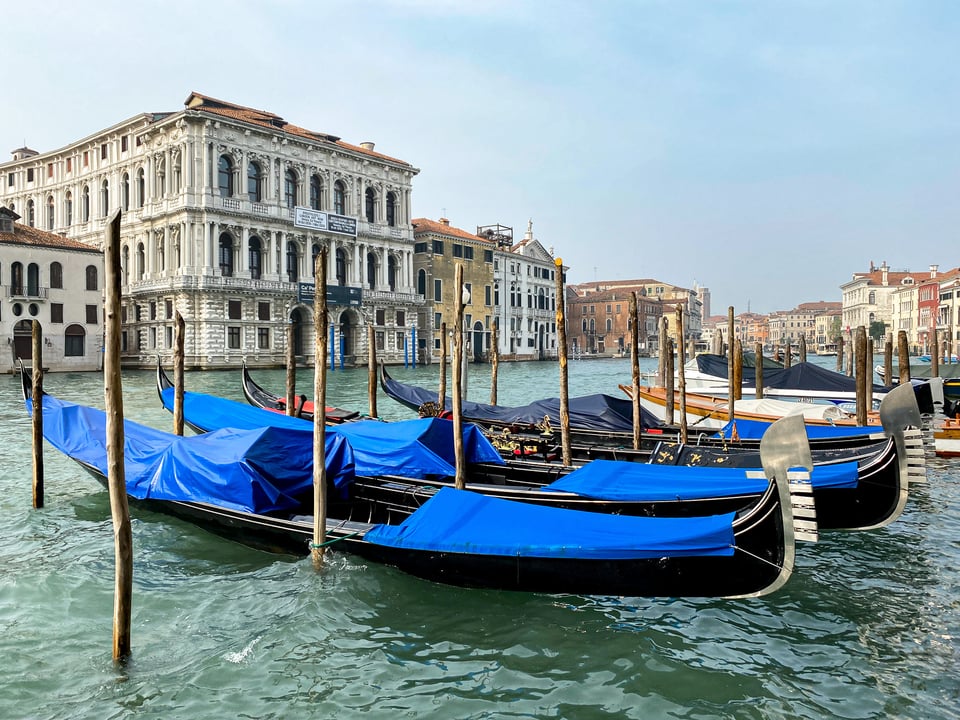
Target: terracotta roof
425, 225
272, 121
26, 235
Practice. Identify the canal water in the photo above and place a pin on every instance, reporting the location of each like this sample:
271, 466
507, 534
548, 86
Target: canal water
866, 628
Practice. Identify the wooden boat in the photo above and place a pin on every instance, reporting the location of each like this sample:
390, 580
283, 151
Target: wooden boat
946, 438
224, 482
857, 488
256, 395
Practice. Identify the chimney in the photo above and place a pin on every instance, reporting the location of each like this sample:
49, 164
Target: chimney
367, 145
444, 221
933, 271
883, 273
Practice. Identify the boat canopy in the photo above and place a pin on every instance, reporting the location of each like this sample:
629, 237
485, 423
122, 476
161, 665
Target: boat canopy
631, 481
458, 521
420, 448
591, 412
799, 376
259, 471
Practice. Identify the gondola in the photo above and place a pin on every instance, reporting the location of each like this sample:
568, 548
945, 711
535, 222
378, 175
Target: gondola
256, 395
224, 482
857, 488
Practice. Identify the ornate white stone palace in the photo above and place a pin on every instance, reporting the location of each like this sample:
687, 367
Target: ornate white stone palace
208, 197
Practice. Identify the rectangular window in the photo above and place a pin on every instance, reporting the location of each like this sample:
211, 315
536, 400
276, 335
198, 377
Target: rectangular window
103, 151
168, 308
486, 294
467, 252
233, 338
263, 311
123, 144
69, 164
379, 335
438, 247
56, 312
153, 310
400, 340
73, 345
488, 255
86, 158
401, 317
263, 338
457, 250
29, 175
438, 290
381, 316
49, 170
436, 344
93, 312
169, 338
11, 179
437, 319
233, 310
420, 247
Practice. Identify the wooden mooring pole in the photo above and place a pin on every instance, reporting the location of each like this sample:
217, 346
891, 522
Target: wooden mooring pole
320, 325
442, 392
681, 374
116, 477
178, 376
903, 356
860, 360
731, 372
291, 370
758, 371
460, 476
494, 362
372, 372
737, 369
562, 358
37, 395
803, 348
635, 371
888, 361
668, 390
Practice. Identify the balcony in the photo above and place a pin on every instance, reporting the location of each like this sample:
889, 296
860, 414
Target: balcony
18, 292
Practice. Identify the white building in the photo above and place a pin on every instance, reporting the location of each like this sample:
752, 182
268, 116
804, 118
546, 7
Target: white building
57, 281
208, 197
525, 295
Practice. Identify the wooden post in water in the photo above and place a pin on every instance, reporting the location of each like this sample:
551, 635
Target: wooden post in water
662, 355
787, 354
668, 391
320, 325
860, 355
460, 478
888, 361
803, 348
758, 372
291, 371
562, 358
635, 370
116, 477
851, 355
903, 356
178, 381
681, 375
935, 354
442, 392
737, 369
868, 373
731, 373
840, 353
37, 394
372, 371
494, 362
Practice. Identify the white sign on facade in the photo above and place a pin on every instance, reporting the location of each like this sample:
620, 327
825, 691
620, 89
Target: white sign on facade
324, 222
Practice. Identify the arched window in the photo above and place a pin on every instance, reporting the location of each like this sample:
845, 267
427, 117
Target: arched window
68, 208
422, 282
30, 213
391, 209
141, 189
255, 257
316, 192
255, 182
16, 278
292, 274
541, 300
33, 279
371, 270
85, 204
609, 324
56, 276
226, 255
125, 192
339, 198
225, 176
91, 275
290, 188
141, 261
104, 198
50, 213
392, 273
73, 338
872, 298
341, 267
369, 204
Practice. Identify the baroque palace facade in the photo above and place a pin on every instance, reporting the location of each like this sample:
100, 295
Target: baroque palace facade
223, 211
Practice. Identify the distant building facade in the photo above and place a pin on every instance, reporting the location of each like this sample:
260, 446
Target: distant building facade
57, 281
210, 198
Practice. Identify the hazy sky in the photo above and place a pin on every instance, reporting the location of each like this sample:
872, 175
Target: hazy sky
765, 149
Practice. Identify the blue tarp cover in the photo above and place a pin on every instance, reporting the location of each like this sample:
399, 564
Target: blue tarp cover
639, 482
257, 471
458, 521
419, 448
590, 412
754, 430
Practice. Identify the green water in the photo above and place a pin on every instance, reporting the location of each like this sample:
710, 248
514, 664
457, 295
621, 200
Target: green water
866, 628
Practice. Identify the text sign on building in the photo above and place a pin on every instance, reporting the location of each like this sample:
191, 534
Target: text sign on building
324, 222
336, 295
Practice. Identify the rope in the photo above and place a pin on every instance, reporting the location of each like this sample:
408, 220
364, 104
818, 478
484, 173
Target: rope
763, 560
318, 546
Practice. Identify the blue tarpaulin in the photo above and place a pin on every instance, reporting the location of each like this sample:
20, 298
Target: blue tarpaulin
458, 521
630, 481
754, 430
